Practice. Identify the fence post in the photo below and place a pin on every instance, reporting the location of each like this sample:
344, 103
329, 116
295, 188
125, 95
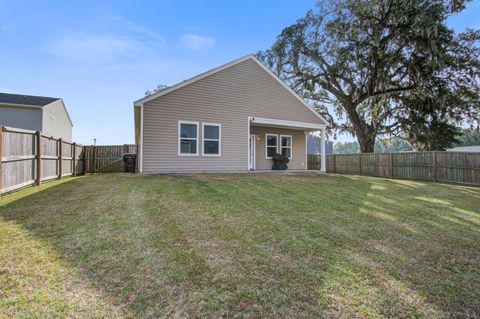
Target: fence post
138, 159
1, 155
360, 164
84, 152
334, 164
390, 160
434, 166
94, 151
74, 160
86, 160
38, 140
60, 155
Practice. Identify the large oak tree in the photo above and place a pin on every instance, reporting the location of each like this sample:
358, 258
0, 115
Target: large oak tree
366, 65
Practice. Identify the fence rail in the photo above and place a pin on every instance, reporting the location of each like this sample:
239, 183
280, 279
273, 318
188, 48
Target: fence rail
454, 167
107, 158
29, 158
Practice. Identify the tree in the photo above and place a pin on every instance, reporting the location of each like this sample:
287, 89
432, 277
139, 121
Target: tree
345, 148
355, 60
469, 137
447, 97
393, 144
383, 145
159, 88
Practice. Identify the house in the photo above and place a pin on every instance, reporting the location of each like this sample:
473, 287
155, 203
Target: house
232, 118
469, 149
38, 113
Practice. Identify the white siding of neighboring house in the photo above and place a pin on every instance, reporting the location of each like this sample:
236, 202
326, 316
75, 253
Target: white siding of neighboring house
21, 117
56, 122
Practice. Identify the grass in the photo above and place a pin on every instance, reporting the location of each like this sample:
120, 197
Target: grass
240, 246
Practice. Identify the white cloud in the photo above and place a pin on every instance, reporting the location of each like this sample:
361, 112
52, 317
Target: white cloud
195, 42
121, 38
137, 31
98, 47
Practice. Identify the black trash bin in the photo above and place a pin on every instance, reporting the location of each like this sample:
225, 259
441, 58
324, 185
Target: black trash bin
280, 162
129, 161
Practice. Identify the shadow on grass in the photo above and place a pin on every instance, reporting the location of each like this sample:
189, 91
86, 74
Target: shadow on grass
265, 245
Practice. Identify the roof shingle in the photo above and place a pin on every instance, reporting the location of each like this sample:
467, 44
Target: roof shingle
20, 99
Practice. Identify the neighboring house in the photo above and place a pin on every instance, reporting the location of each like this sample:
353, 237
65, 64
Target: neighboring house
232, 118
46, 114
314, 145
471, 149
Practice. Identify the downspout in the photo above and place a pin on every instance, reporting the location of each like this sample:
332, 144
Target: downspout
306, 149
141, 140
249, 119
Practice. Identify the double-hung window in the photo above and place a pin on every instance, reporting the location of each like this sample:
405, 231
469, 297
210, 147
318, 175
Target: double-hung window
211, 139
286, 145
271, 145
187, 138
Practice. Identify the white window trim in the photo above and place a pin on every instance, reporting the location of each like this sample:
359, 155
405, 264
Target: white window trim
187, 138
290, 147
212, 139
266, 144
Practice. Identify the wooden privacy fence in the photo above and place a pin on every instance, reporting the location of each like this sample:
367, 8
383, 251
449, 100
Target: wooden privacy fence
107, 158
454, 167
29, 158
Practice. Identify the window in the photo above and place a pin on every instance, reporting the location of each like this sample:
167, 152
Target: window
211, 139
187, 138
271, 145
286, 145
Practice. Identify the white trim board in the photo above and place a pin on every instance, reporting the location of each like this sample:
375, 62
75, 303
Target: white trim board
13, 105
288, 124
249, 120
252, 156
146, 99
140, 168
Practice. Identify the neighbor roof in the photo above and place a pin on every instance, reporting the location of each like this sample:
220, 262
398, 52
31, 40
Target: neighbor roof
223, 67
33, 101
19, 99
473, 149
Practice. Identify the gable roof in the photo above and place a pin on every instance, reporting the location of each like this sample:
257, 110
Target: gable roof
33, 101
26, 100
177, 86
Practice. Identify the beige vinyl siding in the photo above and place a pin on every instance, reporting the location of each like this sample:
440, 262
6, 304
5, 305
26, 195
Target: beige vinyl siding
298, 147
227, 97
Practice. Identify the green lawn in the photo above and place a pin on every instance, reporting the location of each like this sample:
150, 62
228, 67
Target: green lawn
256, 245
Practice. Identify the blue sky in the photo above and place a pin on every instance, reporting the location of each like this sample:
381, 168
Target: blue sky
100, 56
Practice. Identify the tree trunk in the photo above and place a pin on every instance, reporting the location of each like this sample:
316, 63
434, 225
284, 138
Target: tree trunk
365, 137
366, 142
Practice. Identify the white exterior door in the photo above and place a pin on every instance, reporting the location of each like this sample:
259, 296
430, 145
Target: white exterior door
251, 153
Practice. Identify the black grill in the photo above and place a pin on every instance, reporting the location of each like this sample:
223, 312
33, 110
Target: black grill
280, 162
